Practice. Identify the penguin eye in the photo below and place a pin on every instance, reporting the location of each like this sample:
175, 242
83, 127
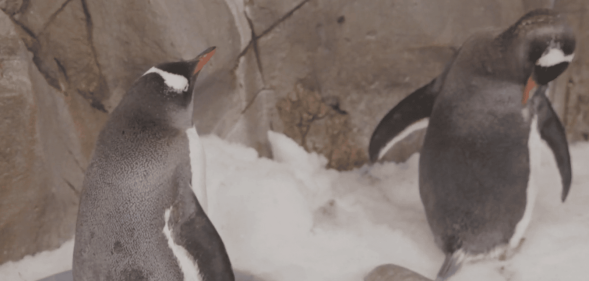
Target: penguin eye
536, 51
568, 47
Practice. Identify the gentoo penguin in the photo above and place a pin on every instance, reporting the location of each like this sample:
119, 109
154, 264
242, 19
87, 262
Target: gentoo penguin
139, 218
475, 177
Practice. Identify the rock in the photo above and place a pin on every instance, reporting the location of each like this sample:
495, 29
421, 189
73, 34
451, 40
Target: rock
266, 13
318, 124
40, 156
11, 7
391, 272
569, 93
37, 15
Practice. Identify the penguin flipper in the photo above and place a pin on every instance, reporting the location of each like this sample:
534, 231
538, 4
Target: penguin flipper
194, 232
552, 131
414, 110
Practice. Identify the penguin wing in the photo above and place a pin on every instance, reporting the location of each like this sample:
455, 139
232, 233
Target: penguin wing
552, 131
411, 114
194, 232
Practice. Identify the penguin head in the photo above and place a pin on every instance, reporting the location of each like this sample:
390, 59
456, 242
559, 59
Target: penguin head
544, 43
165, 91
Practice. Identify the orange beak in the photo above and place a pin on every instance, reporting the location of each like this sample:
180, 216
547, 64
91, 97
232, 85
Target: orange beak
529, 87
204, 59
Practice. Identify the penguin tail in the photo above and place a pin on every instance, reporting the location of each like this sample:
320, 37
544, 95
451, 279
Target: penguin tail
451, 264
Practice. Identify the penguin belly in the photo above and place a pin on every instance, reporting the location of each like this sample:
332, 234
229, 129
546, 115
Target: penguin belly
475, 189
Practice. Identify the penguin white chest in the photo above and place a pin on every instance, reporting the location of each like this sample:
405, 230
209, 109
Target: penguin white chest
197, 167
186, 262
534, 146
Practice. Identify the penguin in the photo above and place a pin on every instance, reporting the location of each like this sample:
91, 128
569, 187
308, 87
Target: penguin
139, 218
485, 115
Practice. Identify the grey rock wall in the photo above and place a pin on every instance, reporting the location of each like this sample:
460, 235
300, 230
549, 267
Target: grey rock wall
41, 159
324, 72
571, 92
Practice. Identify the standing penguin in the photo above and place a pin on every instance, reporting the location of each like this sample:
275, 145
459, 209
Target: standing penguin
139, 218
475, 176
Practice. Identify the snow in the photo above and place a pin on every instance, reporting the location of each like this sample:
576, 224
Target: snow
32, 268
292, 219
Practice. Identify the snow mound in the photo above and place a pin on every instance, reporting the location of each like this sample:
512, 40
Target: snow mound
292, 219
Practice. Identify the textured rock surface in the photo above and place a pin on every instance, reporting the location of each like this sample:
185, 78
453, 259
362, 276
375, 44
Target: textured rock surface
391, 272
324, 72
570, 93
40, 155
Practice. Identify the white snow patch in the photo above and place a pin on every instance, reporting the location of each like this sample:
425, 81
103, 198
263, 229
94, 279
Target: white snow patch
553, 57
185, 261
197, 167
286, 150
295, 220
40, 265
177, 83
412, 128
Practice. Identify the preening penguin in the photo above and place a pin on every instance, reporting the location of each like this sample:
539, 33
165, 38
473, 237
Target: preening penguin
139, 218
475, 176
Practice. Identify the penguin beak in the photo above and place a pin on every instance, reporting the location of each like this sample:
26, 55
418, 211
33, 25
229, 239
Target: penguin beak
529, 87
203, 58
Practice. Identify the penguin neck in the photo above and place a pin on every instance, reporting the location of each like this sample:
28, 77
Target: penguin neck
146, 104
508, 60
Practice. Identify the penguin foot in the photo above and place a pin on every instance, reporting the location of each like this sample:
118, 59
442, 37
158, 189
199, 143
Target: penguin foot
510, 252
451, 264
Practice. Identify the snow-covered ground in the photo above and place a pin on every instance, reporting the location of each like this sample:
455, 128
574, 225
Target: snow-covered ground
291, 219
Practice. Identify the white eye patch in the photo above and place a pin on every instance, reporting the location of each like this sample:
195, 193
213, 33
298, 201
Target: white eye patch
177, 83
553, 57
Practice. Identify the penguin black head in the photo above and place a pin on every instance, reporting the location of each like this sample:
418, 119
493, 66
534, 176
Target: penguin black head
545, 43
188, 70
164, 92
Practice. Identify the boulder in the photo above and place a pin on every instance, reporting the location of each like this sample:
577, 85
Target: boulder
41, 159
569, 92
391, 272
